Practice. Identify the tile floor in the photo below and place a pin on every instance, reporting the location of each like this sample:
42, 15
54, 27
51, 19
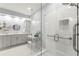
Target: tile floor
21, 50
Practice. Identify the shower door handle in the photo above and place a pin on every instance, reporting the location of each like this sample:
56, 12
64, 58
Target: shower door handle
75, 34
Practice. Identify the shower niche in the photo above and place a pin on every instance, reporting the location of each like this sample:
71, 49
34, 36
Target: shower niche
64, 24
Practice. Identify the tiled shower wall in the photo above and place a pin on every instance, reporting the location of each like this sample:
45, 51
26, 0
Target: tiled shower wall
53, 13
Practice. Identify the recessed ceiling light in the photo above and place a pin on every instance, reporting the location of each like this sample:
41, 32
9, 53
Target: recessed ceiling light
29, 8
69, 6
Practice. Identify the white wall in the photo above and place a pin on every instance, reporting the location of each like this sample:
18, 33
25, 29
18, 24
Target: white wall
36, 23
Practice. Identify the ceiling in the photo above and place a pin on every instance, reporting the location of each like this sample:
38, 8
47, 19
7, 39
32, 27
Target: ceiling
24, 8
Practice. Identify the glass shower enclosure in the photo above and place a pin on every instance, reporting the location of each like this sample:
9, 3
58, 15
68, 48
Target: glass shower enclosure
60, 29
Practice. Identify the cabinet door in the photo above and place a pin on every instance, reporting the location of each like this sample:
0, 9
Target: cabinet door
24, 38
13, 40
19, 40
6, 41
1, 42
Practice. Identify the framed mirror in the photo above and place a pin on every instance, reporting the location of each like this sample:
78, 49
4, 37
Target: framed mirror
16, 27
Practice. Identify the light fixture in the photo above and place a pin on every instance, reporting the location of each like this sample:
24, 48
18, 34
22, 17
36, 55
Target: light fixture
29, 8
7, 17
68, 6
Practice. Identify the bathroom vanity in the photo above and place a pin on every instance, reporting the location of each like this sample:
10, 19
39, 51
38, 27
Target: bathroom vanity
10, 40
14, 30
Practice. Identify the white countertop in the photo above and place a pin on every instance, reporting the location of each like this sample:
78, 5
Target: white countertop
15, 34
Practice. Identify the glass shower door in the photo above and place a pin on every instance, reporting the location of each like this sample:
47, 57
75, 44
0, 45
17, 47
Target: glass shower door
59, 20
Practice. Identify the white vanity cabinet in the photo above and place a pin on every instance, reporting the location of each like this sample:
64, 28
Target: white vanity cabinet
19, 39
12, 40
